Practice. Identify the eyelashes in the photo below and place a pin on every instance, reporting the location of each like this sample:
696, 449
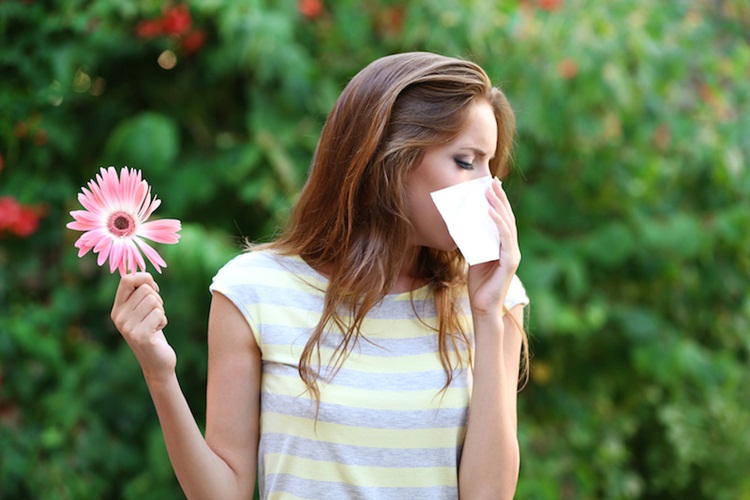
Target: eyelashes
464, 164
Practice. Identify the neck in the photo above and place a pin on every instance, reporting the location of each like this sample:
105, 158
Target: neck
407, 279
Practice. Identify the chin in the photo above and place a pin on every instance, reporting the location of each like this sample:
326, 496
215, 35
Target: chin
444, 246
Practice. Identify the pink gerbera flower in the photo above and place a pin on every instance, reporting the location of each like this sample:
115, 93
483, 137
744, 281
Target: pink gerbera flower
115, 221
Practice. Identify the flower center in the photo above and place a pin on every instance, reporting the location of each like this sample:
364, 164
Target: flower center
121, 224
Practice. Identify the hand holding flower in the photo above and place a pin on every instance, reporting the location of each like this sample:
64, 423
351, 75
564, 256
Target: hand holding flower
115, 227
138, 313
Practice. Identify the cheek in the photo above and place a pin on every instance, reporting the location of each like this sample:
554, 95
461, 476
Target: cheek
429, 227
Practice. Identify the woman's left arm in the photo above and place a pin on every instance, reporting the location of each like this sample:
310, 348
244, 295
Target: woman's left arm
490, 459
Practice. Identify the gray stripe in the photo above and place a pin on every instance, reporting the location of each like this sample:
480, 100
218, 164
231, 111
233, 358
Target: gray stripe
357, 455
439, 418
308, 488
306, 300
409, 381
278, 296
288, 336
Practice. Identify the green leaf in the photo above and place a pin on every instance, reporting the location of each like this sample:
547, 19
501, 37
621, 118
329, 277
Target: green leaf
149, 141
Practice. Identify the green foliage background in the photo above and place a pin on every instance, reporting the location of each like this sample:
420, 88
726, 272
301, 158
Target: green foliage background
631, 192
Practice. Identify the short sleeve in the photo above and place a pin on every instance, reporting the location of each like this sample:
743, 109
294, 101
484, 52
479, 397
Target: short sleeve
231, 281
516, 294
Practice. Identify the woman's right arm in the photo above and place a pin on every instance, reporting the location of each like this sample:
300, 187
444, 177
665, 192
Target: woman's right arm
223, 464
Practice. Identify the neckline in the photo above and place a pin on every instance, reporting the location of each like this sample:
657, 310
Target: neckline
419, 292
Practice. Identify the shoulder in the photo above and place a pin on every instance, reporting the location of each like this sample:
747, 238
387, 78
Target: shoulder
259, 268
247, 262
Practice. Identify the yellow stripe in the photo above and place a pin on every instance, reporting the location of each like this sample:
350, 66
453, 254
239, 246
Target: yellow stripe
360, 436
366, 476
280, 495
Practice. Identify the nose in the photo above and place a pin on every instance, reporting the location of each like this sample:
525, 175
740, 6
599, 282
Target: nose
482, 170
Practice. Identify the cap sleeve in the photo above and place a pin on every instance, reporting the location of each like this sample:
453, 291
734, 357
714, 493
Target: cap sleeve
516, 294
232, 282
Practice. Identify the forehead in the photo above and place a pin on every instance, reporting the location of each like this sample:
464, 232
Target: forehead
480, 129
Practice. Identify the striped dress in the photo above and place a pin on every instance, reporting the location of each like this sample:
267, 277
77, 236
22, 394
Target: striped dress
385, 430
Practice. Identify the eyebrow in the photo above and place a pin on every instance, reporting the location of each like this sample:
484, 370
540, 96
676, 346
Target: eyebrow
476, 151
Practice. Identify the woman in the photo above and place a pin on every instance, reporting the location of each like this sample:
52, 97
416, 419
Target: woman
356, 356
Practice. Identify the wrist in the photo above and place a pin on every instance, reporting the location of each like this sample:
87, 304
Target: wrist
488, 325
159, 379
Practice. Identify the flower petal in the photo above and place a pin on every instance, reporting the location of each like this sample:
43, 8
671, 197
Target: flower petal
153, 255
91, 238
125, 191
82, 246
137, 258
91, 201
84, 221
149, 208
103, 248
117, 257
140, 197
161, 231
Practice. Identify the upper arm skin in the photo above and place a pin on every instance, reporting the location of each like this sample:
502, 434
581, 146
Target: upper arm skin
233, 394
513, 323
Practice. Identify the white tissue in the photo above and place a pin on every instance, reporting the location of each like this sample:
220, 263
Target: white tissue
464, 208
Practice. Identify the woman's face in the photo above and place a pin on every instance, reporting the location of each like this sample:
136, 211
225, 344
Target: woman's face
465, 158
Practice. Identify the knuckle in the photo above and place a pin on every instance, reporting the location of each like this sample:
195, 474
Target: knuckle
153, 302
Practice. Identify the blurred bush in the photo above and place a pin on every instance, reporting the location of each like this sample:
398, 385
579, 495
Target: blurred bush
631, 194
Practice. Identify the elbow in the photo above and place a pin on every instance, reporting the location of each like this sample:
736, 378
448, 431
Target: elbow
509, 477
499, 481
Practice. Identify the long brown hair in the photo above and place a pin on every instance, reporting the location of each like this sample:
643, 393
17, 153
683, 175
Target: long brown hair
351, 220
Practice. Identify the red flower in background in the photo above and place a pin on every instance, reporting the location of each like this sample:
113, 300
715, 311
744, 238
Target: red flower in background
550, 5
175, 21
193, 42
17, 219
567, 68
310, 8
150, 28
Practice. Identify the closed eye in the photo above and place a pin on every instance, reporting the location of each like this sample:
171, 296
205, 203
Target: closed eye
464, 164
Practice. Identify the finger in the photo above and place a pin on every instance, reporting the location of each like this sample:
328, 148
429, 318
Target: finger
499, 201
141, 302
498, 207
144, 332
147, 318
150, 303
130, 282
153, 323
123, 311
502, 225
142, 292
506, 230
497, 189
